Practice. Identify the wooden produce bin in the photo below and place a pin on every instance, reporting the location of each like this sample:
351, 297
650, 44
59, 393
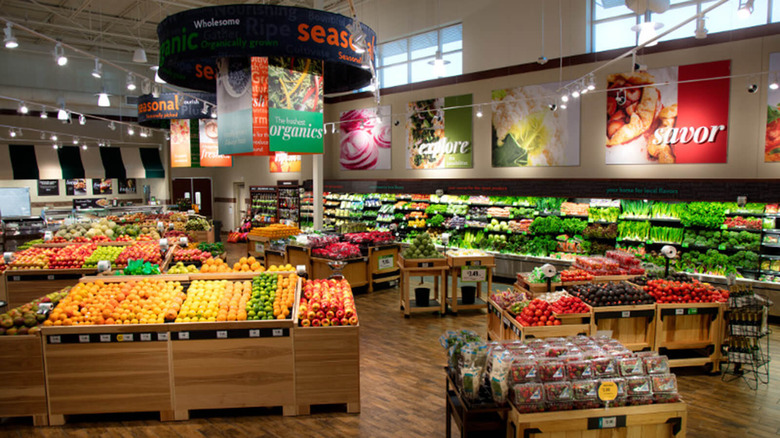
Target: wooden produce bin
232, 365
23, 391
382, 264
275, 257
107, 369
516, 331
202, 236
299, 255
355, 271
576, 318
436, 268
23, 286
650, 421
459, 264
3, 290
690, 333
540, 288
633, 326
494, 323
256, 246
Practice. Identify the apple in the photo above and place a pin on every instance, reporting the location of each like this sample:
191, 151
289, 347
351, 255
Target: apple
326, 322
330, 314
353, 320
305, 323
311, 315
340, 313
344, 321
335, 321
320, 314
316, 323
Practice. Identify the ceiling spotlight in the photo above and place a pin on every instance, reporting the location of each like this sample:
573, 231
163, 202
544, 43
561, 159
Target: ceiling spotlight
542, 60
108, 143
112, 126
143, 133
214, 112
333, 128
12, 133
583, 88
167, 135
55, 146
479, 111
156, 91
139, 55
157, 77
205, 109
591, 82
745, 9
146, 86
62, 114
103, 100
44, 115
701, 31
131, 82
130, 130
43, 135
774, 85
54, 137
59, 55
82, 119
10, 39
575, 94
23, 108
438, 64
565, 97
97, 72
75, 140
84, 146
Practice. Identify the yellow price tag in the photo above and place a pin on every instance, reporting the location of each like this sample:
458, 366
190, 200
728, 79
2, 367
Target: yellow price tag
608, 391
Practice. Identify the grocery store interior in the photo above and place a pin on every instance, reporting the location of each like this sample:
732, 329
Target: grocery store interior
371, 218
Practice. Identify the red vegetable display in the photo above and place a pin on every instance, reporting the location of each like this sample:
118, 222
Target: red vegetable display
575, 275
537, 313
684, 292
570, 305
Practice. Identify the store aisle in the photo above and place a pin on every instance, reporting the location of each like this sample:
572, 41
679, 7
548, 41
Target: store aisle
402, 392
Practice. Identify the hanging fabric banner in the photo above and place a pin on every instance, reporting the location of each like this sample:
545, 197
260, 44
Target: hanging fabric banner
295, 93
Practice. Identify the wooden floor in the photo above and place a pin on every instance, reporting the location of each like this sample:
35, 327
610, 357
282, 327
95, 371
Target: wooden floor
402, 387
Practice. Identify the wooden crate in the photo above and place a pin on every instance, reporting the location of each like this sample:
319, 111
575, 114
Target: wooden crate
494, 315
555, 331
421, 263
232, 365
651, 421
633, 326
576, 318
474, 260
202, 236
511, 330
298, 255
118, 370
388, 271
275, 258
438, 273
355, 271
690, 326
23, 286
23, 391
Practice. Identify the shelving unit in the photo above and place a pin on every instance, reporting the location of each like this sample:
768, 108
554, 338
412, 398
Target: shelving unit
264, 204
289, 202
20, 229
748, 343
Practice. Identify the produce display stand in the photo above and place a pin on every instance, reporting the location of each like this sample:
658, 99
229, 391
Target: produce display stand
202, 236
327, 366
274, 257
470, 418
3, 288
633, 326
513, 330
354, 271
436, 268
687, 329
576, 318
255, 247
382, 266
25, 285
299, 255
23, 391
460, 265
494, 323
539, 288
650, 421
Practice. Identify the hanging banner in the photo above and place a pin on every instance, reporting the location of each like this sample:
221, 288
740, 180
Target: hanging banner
259, 106
366, 138
101, 186
180, 143
209, 147
153, 111
295, 102
527, 131
669, 115
282, 162
234, 101
439, 138
772, 142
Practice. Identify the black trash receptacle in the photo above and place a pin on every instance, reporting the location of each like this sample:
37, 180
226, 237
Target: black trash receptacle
421, 296
468, 293
217, 231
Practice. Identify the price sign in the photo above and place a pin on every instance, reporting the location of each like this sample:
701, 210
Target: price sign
55, 339
425, 265
259, 247
473, 274
693, 311
608, 422
222, 334
506, 322
685, 245
277, 332
474, 263
8, 257
254, 333
105, 338
385, 262
184, 335
84, 338
47, 236
127, 337
146, 336
608, 391
160, 226
625, 314
679, 311
162, 336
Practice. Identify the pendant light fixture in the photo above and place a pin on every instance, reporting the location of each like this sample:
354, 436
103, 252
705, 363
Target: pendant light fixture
97, 72
139, 55
701, 31
745, 9
59, 55
103, 100
131, 82
130, 130
12, 133
23, 108
82, 119
647, 31
44, 114
439, 64
10, 40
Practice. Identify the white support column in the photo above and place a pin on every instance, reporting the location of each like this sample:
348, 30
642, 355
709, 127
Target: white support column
317, 174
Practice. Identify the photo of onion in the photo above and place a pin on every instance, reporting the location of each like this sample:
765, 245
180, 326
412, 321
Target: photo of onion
358, 151
366, 140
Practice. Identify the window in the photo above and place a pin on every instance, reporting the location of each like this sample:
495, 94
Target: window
611, 20
406, 60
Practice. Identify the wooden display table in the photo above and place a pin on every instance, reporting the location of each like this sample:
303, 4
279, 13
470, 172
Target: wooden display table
23, 391
256, 246
494, 315
23, 286
299, 255
633, 326
686, 327
274, 257
514, 331
382, 264
479, 268
436, 268
538, 288
469, 418
202, 236
658, 420
355, 270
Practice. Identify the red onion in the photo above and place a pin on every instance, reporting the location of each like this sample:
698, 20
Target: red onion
356, 119
382, 135
358, 151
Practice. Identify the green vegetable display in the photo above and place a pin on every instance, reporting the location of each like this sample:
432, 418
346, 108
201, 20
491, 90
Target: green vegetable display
435, 221
139, 267
601, 231
537, 276
636, 208
197, 224
214, 248
547, 225
749, 208
667, 210
703, 214
422, 248
704, 238
550, 205
523, 212
741, 240
540, 245
573, 225
603, 214
666, 234
633, 230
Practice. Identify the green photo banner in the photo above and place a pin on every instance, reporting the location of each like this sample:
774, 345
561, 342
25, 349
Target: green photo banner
439, 133
295, 101
234, 101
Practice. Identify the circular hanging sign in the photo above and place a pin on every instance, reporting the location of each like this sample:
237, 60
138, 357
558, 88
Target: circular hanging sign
192, 40
158, 111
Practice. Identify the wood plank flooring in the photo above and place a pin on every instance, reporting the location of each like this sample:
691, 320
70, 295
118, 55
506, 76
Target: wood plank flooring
402, 389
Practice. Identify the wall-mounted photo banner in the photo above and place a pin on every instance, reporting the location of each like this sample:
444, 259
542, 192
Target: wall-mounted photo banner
282, 162
669, 115
438, 138
48, 187
192, 41
157, 111
127, 186
76, 187
180, 144
209, 148
366, 138
295, 103
528, 132
101, 186
772, 142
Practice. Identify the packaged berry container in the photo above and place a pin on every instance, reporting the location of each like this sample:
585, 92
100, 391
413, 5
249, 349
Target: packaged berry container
669, 397
585, 390
664, 383
656, 364
524, 370
587, 404
621, 385
638, 385
631, 366
604, 367
557, 391
528, 393
528, 408
580, 369
551, 370
638, 400
558, 406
